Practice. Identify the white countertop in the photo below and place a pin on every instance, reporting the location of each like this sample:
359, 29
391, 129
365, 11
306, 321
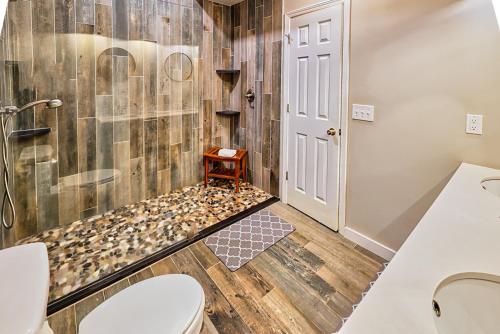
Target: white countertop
460, 233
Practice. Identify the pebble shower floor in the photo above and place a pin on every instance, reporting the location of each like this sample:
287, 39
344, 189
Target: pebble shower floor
88, 250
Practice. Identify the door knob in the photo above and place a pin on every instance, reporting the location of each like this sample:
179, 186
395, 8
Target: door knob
331, 132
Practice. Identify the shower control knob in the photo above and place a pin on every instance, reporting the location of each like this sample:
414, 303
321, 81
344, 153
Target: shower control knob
331, 132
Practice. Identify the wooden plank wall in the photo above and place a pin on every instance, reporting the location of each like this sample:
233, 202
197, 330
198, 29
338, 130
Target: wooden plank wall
106, 59
257, 36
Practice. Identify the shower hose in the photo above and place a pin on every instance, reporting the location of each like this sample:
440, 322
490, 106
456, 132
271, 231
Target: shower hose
7, 203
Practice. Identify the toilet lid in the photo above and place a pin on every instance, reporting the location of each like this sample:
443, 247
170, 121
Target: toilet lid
163, 304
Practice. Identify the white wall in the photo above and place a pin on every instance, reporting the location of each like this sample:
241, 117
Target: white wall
424, 64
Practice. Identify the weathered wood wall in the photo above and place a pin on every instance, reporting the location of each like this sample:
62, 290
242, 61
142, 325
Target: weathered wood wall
106, 59
257, 35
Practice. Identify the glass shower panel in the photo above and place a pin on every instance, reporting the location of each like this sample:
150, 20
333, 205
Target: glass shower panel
128, 75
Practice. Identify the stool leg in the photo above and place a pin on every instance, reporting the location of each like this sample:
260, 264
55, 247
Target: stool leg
237, 171
206, 172
244, 167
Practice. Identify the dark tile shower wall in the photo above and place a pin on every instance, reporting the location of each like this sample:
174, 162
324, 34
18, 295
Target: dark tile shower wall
127, 131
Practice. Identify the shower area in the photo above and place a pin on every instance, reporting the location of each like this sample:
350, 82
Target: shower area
146, 87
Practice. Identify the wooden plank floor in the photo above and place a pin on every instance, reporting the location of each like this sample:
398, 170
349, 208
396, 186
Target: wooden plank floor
306, 283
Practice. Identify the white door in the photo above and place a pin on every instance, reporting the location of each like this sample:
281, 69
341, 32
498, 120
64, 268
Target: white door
314, 69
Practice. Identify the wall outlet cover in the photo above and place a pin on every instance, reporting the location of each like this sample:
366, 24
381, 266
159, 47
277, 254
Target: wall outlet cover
474, 124
363, 112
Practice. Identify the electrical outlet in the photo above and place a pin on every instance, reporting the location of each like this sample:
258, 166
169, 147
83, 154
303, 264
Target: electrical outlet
363, 112
474, 124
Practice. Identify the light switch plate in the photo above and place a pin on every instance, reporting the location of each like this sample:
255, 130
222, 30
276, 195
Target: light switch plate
363, 112
474, 124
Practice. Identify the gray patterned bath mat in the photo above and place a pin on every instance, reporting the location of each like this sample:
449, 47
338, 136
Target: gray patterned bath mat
241, 242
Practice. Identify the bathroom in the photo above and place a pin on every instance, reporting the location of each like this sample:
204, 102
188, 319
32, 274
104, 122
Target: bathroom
351, 126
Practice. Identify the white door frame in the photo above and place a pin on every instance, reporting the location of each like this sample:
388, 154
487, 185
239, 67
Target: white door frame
344, 109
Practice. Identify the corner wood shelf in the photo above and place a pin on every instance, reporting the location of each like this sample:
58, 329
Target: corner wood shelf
227, 71
228, 112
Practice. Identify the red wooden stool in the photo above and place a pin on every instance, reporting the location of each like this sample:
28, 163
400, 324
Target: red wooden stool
221, 172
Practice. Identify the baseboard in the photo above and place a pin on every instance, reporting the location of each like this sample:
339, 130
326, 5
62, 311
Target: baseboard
368, 243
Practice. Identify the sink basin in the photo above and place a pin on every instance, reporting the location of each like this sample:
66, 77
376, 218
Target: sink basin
468, 303
24, 288
492, 185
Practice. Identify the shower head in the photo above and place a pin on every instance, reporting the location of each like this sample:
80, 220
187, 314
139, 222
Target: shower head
51, 104
56, 103
12, 110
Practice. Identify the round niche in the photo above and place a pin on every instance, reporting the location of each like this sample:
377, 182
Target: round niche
178, 66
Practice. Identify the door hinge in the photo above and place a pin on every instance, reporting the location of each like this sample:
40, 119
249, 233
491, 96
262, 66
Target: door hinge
286, 176
340, 132
287, 107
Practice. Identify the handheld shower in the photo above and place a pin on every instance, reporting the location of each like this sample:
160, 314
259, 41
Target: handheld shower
12, 110
6, 114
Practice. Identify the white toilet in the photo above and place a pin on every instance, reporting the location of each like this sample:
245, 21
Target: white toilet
24, 289
160, 305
